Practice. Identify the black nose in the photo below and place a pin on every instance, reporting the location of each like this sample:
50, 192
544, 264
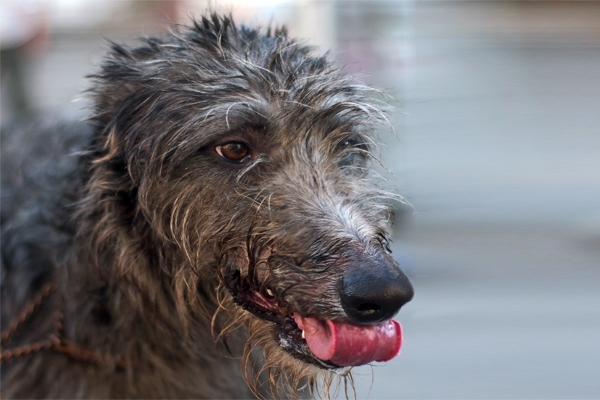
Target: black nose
374, 289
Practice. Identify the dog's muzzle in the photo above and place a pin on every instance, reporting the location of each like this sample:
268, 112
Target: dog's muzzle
372, 289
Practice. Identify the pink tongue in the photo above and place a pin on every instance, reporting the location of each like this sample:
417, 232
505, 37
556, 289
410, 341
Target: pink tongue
346, 345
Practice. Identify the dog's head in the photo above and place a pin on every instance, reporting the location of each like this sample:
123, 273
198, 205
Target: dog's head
245, 160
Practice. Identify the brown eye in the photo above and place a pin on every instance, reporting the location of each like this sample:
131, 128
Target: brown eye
233, 151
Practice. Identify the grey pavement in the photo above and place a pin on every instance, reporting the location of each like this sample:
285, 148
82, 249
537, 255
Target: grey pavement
498, 314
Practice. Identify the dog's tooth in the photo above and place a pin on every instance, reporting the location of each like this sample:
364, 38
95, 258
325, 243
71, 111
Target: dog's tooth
303, 334
269, 292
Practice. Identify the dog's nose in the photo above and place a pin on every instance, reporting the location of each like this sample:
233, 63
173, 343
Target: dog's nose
374, 291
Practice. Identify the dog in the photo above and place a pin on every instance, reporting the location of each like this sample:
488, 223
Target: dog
214, 229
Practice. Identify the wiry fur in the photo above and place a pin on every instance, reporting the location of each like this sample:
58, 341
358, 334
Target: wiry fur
147, 231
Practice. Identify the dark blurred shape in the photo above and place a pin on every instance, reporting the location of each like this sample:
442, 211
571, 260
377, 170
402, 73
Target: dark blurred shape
24, 36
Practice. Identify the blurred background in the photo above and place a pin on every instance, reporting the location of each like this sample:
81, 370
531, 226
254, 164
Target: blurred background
497, 148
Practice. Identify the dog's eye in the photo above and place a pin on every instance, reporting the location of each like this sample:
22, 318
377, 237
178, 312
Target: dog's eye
233, 151
351, 144
347, 144
352, 152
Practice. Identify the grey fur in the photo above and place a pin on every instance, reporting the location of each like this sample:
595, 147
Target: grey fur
155, 240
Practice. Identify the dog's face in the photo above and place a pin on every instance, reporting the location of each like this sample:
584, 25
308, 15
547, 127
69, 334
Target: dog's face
250, 158
308, 255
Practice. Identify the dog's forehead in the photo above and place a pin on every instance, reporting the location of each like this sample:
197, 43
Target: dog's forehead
194, 87
258, 76
314, 108
298, 104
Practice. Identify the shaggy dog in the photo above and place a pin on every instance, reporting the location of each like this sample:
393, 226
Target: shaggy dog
216, 211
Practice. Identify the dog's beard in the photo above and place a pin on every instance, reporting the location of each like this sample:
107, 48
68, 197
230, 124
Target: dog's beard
267, 368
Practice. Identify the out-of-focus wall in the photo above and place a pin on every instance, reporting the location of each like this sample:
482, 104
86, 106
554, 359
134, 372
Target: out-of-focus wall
503, 124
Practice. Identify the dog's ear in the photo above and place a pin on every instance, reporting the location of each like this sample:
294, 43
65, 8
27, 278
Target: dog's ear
121, 91
119, 78
132, 74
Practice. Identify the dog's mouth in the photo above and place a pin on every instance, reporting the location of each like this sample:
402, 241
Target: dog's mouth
331, 345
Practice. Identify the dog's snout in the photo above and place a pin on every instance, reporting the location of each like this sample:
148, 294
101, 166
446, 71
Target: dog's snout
374, 291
